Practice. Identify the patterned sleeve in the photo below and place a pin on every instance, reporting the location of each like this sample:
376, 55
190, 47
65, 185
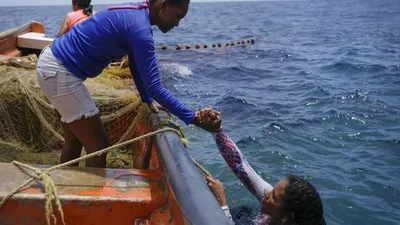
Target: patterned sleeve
236, 161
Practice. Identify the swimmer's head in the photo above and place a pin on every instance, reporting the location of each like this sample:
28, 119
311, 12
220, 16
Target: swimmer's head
294, 201
166, 14
85, 5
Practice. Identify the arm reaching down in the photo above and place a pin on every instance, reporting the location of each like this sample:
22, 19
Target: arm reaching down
145, 64
217, 188
236, 161
138, 82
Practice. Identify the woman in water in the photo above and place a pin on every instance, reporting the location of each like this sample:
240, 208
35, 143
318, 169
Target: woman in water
82, 11
291, 201
87, 49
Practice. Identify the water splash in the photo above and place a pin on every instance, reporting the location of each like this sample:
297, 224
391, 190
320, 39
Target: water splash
174, 69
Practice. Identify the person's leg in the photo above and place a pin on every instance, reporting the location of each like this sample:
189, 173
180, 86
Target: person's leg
72, 100
91, 133
72, 147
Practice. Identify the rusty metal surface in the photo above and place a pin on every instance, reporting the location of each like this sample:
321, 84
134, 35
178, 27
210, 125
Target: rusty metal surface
73, 180
88, 196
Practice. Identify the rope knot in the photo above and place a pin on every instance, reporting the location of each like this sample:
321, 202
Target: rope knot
51, 196
41, 175
176, 127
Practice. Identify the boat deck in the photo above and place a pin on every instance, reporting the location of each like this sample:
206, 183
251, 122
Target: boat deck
88, 195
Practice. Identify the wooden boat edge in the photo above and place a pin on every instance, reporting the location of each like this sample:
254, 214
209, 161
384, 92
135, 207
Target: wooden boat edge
9, 38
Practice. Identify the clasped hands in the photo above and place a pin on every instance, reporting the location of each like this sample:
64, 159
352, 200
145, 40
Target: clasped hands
208, 119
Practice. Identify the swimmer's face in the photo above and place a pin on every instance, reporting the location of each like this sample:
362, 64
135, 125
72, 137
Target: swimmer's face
273, 201
170, 14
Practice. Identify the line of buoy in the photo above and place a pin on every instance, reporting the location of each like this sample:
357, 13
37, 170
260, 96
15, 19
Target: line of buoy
219, 45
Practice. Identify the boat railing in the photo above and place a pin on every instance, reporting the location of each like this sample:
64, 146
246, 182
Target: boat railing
9, 39
198, 204
17, 30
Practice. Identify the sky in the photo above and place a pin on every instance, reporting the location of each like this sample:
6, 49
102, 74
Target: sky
68, 2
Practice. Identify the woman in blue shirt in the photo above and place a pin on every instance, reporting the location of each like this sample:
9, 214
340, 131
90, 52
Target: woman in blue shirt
87, 49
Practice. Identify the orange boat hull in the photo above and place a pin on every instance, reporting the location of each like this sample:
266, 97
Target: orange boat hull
91, 196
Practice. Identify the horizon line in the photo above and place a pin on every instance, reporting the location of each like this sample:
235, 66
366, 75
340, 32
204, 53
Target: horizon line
196, 1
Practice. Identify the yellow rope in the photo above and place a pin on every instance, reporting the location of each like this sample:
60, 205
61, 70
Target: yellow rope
169, 123
185, 142
201, 168
51, 196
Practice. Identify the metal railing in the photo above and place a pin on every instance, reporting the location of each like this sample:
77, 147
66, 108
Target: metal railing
198, 204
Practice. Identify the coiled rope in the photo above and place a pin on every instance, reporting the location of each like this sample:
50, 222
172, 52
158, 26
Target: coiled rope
51, 196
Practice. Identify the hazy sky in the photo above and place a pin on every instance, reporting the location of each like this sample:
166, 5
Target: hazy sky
68, 2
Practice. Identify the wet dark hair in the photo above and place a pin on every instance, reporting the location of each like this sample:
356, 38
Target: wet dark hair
85, 6
302, 204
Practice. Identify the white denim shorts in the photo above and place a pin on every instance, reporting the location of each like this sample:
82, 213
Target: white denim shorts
66, 92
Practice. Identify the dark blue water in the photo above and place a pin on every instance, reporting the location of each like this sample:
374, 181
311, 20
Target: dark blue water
318, 96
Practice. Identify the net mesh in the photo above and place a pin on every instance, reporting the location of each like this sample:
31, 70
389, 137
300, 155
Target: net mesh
30, 130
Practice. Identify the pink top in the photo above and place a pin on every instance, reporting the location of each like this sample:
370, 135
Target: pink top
74, 18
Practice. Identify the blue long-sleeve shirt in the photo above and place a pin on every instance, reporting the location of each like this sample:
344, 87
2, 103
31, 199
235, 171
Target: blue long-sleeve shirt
91, 45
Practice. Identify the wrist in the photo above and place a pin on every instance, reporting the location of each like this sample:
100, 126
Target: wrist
222, 201
226, 210
196, 120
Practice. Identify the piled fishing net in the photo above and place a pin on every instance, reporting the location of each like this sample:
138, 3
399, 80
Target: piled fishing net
30, 131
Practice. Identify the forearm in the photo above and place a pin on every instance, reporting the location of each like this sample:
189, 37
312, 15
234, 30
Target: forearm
236, 161
64, 28
149, 75
173, 105
138, 82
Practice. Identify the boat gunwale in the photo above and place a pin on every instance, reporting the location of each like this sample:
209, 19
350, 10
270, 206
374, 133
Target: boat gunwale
9, 38
197, 203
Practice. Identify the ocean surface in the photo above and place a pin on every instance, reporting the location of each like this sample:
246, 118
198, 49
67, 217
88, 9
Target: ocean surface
318, 96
